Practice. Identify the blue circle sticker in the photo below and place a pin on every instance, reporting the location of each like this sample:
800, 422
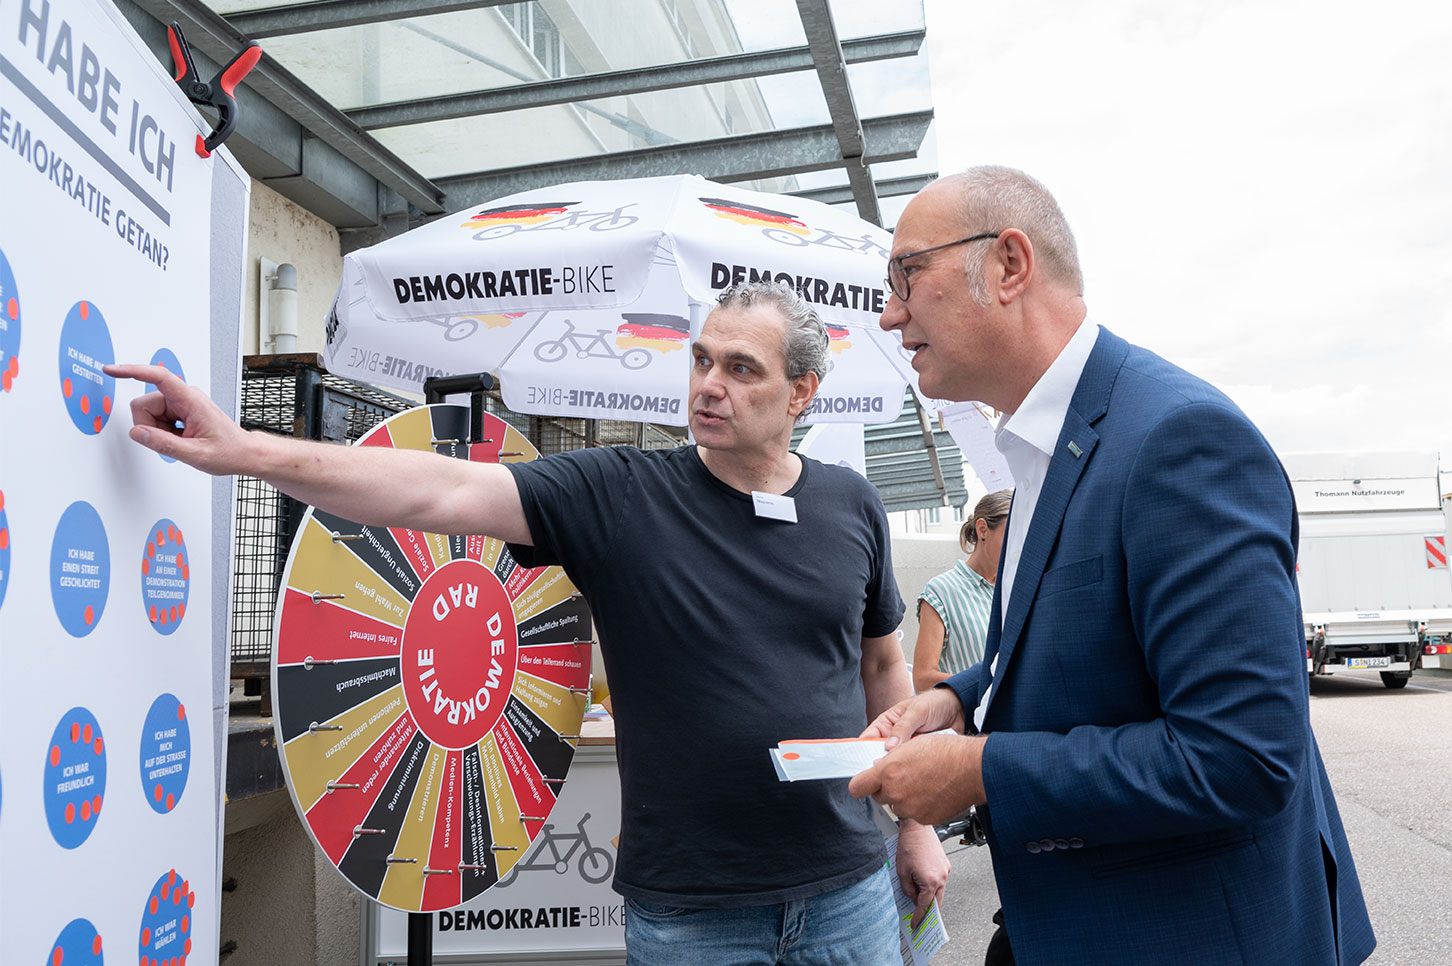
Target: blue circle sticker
4, 549
166, 577
166, 753
9, 327
75, 778
80, 569
78, 945
166, 922
167, 359
85, 346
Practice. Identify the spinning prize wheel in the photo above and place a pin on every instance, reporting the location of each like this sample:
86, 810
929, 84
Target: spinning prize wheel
428, 690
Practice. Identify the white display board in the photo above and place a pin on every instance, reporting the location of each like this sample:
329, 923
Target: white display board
556, 901
117, 243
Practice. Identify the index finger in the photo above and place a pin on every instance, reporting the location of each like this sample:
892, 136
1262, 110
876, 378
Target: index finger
159, 376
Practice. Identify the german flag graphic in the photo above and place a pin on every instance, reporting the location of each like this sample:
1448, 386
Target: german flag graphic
494, 320
744, 214
526, 214
663, 333
837, 338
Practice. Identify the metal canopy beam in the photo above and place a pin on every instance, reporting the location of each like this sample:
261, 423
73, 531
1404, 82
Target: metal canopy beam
209, 34
886, 188
564, 90
770, 154
300, 18
831, 67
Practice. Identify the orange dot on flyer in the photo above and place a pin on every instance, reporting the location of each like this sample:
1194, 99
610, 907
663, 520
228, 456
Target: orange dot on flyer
181, 712
2, 499
187, 946
86, 734
5, 381
791, 756
153, 613
85, 811
145, 937
181, 609
86, 405
4, 537
171, 804
170, 879
106, 405
57, 957
96, 424
154, 905
171, 533
70, 812
75, 731
156, 793
173, 615
186, 925
160, 537
12, 309
54, 755
96, 745
145, 566
96, 805
90, 615
163, 618
66, 388
186, 573
178, 537
96, 945
85, 308
191, 900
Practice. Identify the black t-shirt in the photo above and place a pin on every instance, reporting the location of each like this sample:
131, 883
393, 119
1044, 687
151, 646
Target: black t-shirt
722, 633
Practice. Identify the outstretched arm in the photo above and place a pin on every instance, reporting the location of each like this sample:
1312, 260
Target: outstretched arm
370, 485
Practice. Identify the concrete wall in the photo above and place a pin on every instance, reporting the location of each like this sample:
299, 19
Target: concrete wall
284, 232
283, 904
916, 559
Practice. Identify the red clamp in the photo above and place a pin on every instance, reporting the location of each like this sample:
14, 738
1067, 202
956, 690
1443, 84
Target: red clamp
218, 93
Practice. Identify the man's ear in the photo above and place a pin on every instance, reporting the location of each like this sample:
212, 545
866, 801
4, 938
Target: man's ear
803, 389
1017, 255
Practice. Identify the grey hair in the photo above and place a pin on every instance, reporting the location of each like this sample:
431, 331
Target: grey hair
992, 510
804, 341
995, 198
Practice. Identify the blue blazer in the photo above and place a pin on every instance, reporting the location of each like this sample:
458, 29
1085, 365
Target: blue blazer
1155, 792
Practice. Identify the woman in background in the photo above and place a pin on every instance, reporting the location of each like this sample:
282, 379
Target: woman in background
953, 627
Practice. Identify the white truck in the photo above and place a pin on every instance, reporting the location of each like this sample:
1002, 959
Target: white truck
1376, 592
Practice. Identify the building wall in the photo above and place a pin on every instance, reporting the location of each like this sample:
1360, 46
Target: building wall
283, 904
916, 559
285, 232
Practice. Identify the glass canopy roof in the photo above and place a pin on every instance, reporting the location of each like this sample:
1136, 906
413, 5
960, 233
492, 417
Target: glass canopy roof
432, 98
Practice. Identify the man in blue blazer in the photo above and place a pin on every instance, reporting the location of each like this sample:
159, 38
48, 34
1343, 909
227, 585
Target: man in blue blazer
1137, 737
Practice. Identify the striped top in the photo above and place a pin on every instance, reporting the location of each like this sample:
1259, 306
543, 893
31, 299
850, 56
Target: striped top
962, 598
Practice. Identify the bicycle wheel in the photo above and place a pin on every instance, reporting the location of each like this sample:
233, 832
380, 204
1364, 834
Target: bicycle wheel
596, 865
550, 351
635, 359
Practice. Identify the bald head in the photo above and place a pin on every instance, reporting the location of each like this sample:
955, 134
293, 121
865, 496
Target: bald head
994, 198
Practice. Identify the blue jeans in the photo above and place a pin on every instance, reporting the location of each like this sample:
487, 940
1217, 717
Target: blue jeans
852, 926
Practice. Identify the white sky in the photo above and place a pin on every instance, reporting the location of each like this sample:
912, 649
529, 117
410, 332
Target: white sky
1261, 191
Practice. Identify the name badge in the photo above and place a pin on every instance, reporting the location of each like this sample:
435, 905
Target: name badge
774, 506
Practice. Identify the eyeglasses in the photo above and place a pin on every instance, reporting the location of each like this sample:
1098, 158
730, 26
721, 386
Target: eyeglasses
897, 279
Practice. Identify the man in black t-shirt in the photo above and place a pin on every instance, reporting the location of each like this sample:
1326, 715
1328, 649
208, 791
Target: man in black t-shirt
742, 595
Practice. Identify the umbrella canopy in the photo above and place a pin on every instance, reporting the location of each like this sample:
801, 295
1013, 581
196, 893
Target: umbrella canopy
585, 297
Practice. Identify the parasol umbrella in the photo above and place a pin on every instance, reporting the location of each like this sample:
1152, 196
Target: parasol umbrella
585, 297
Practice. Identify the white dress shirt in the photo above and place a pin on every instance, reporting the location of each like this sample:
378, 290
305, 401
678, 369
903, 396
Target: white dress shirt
1027, 438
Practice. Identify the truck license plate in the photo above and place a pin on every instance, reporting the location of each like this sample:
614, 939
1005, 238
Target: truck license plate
1368, 662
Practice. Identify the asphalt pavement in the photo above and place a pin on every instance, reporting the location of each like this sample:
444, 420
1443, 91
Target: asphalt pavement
1389, 754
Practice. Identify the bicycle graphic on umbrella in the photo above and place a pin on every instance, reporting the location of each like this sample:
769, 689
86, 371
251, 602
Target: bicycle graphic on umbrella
590, 346
595, 864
